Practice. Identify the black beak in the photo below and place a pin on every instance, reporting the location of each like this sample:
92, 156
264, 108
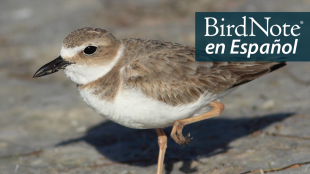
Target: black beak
52, 67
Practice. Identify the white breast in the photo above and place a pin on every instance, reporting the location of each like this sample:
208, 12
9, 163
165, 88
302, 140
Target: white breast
131, 108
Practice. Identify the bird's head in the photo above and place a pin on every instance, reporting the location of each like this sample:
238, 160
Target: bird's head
86, 55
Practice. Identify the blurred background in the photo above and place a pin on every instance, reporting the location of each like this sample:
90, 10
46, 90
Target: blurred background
46, 128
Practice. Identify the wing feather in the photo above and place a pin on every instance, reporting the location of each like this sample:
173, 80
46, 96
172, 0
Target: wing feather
167, 72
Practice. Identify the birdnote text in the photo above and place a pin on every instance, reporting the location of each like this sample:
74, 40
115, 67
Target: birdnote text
251, 36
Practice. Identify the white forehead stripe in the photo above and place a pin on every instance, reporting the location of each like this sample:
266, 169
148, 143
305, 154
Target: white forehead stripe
70, 52
83, 74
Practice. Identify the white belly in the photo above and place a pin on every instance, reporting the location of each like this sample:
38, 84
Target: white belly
131, 108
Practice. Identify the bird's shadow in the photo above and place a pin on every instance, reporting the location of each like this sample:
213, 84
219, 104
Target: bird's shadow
139, 147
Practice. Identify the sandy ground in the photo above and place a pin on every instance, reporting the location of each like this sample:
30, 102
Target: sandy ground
45, 127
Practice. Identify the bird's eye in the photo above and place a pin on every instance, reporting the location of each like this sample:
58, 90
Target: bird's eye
90, 50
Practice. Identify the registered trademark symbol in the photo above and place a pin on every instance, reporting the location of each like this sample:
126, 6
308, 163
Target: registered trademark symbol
301, 22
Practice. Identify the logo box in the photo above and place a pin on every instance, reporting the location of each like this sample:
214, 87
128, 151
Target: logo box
252, 36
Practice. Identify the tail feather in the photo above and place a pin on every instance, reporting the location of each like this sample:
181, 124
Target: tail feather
261, 69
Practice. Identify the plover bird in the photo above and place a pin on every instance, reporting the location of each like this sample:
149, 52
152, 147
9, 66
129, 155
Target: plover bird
149, 84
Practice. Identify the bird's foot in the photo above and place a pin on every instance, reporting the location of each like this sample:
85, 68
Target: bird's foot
177, 136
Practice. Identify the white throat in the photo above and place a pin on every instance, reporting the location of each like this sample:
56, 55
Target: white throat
83, 74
